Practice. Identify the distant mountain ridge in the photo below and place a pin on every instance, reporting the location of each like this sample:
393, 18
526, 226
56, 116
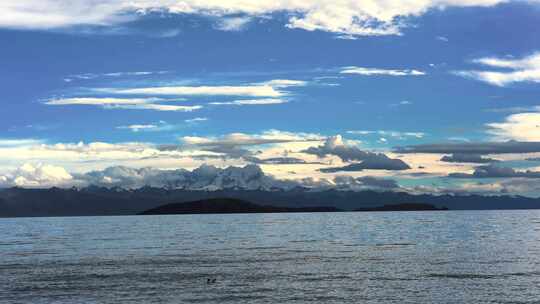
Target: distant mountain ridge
118, 201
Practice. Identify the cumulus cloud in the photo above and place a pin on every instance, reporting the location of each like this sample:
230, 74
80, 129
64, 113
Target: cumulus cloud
39, 175
525, 69
347, 18
521, 127
473, 148
467, 158
206, 177
496, 172
378, 72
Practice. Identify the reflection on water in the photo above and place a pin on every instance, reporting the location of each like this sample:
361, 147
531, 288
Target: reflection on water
408, 257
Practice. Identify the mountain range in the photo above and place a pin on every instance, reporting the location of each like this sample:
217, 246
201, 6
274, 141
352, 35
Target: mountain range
94, 200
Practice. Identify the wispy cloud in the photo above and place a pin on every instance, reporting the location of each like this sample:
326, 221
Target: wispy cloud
389, 133
162, 125
122, 103
526, 69
156, 107
233, 24
101, 101
401, 103
243, 102
380, 72
521, 127
283, 83
19, 142
248, 90
87, 76
196, 119
442, 38
137, 128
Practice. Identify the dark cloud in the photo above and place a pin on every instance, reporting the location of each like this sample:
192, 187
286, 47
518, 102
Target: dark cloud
473, 148
235, 145
334, 146
375, 162
467, 158
496, 172
369, 160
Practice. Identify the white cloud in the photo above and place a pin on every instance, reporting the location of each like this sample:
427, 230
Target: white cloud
196, 119
442, 38
526, 69
283, 83
377, 72
19, 142
101, 101
242, 139
161, 125
39, 175
122, 103
137, 128
243, 102
520, 127
156, 107
248, 90
389, 133
233, 24
346, 17
87, 76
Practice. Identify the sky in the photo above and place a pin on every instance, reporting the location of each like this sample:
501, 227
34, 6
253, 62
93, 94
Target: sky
434, 96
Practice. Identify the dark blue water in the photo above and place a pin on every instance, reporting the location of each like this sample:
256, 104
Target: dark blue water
407, 257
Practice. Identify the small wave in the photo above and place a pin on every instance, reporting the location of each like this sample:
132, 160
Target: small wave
482, 276
303, 241
394, 244
462, 276
392, 279
325, 278
263, 247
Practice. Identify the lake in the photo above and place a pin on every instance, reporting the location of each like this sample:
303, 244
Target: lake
370, 257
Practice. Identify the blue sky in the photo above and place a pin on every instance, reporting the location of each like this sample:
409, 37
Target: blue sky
422, 73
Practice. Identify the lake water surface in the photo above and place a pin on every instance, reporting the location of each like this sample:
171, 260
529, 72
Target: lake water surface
390, 257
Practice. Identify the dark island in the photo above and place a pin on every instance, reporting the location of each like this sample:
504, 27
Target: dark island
231, 205
228, 205
404, 207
